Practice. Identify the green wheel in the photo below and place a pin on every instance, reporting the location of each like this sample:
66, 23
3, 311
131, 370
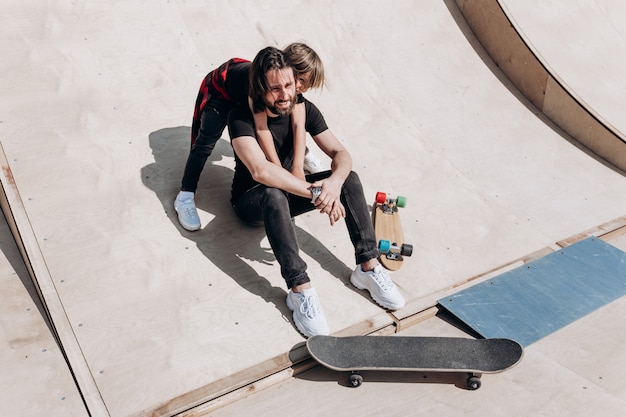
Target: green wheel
401, 201
384, 245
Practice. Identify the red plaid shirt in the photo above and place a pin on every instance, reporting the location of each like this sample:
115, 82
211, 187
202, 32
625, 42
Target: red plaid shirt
215, 85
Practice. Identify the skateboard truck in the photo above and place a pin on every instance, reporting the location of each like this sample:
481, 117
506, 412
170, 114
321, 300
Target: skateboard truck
472, 382
389, 204
394, 252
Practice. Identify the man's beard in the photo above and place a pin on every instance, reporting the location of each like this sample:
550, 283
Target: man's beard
282, 112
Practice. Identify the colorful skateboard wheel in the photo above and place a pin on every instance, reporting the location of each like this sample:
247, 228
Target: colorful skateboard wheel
386, 246
381, 198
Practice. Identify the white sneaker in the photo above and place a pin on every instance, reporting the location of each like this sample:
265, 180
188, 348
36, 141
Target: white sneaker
307, 312
380, 286
312, 163
187, 212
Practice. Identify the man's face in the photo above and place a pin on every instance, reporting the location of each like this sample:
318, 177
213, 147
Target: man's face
281, 91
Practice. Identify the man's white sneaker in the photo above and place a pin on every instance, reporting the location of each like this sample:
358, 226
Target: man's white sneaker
307, 312
187, 212
312, 163
380, 286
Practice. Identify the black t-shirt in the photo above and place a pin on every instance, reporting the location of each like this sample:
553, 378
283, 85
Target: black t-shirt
241, 123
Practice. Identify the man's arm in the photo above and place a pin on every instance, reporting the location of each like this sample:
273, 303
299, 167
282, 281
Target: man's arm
263, 171
341, 161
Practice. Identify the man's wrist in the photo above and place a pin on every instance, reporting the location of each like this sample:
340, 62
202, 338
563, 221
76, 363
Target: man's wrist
315, 193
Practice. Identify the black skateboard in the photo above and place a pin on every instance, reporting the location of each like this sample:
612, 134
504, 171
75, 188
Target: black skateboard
408, 353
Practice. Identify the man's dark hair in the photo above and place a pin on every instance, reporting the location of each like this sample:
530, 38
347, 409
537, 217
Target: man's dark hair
267, 59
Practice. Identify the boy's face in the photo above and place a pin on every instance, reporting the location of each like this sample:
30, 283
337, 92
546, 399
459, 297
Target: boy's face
281, 90
302, 82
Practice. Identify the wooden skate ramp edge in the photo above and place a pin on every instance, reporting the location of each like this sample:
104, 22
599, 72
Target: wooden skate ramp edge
19, 223
503, 40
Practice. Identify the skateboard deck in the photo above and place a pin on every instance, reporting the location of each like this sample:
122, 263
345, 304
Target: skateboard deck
409, 353
388, 231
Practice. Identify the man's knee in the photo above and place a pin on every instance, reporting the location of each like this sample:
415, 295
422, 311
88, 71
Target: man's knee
353, 177
353, 182
275, 200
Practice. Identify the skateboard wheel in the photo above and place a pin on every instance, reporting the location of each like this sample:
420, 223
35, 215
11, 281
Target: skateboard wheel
355, 380
401, 201
384, 245
406, 250
473, 383
381, 197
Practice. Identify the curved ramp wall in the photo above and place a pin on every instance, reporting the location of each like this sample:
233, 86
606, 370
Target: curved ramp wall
501, 37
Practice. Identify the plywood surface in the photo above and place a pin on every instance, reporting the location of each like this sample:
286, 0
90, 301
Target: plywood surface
581, 44
566, 373
388, 226
35, 379
96, 108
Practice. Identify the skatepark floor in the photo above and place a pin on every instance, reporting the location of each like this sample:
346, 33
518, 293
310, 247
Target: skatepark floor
117, 311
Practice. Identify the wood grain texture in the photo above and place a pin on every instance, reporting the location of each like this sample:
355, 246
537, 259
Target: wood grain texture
96, 108
387, 226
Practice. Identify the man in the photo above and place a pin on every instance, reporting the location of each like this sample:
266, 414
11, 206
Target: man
265, 193
219, 91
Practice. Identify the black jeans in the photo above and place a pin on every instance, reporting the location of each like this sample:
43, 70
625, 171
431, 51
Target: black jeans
212, 123
275, 208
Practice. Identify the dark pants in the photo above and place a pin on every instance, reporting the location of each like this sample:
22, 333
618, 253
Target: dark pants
275, 208
212, 123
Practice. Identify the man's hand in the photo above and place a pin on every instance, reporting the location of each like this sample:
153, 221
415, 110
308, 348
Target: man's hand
328, 201
337, 213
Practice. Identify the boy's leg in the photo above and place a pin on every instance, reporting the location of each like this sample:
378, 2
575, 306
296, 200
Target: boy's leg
212, 124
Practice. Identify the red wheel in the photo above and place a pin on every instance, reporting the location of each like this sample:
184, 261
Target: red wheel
381, 197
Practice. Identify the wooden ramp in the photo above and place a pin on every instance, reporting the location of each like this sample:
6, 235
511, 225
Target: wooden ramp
35, 378
96, 106
563, 58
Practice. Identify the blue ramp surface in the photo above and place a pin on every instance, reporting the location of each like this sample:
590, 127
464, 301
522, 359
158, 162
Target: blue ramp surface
534, 300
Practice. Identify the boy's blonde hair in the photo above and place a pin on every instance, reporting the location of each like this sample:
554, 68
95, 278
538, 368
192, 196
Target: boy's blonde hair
304, 59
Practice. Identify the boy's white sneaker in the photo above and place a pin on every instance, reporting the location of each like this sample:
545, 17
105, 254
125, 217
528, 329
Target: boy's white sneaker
312, 164
187, 212
307, 312
380, 286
